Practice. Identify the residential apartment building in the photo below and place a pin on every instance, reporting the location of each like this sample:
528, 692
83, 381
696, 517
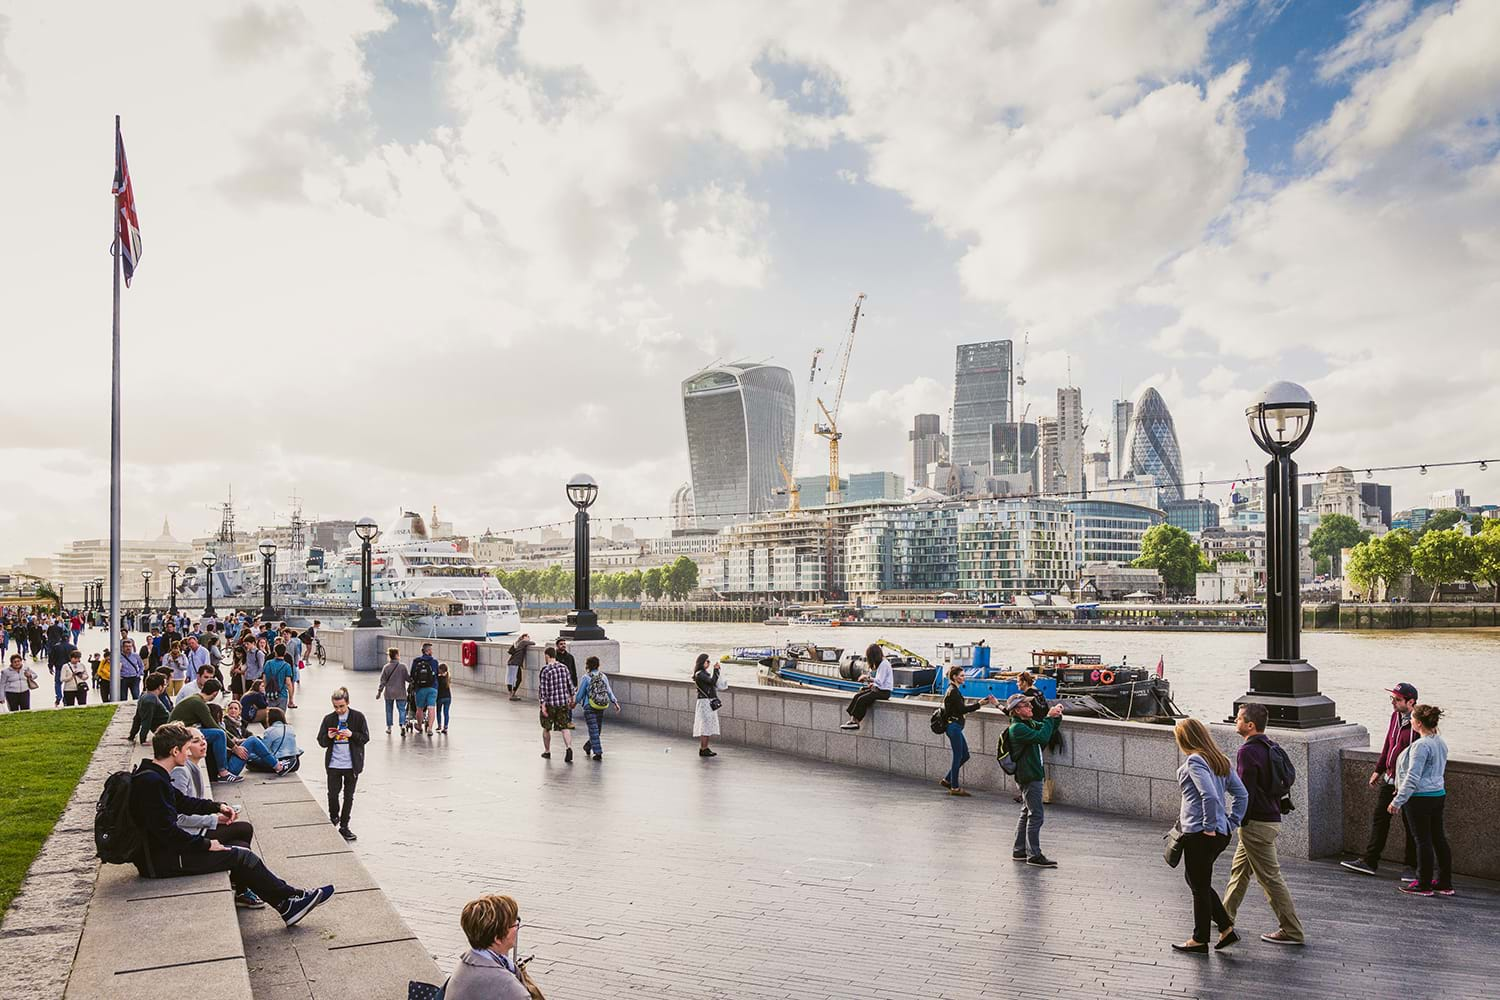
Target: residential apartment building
1012, 547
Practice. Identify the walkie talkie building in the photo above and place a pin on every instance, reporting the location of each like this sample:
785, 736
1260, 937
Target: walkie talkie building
740, 419
1153, 445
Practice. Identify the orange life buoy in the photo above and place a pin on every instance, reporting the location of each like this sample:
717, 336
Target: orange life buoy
1106, 677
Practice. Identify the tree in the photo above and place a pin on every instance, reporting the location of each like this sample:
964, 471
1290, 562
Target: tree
1444, 557
1334, 533
631, 585
653, 583
1172, 552
1487, 555
1377, 563
681, 578
1232, 557
1442, 520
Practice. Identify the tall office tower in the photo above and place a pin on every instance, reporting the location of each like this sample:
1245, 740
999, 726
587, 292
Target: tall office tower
740, 419
981, 397
928, 444
1096, 471
1070, 439
1007, 442
1153, 445
1119, 436
1047, 452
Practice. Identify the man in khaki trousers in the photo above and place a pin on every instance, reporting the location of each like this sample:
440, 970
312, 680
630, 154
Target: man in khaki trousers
1256, 853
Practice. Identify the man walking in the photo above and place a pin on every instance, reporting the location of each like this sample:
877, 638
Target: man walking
566, 659
515, 665
424, 686
1398, 736
1256, 853
343, 735
279, 674
556, 698
1025, 738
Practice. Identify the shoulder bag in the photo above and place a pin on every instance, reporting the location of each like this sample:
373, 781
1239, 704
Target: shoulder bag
1172, 852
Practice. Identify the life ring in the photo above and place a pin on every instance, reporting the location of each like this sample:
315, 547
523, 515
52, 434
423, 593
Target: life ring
1106, 677
1094, 675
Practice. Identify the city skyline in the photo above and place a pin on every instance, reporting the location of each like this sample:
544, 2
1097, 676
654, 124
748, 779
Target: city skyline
484, 255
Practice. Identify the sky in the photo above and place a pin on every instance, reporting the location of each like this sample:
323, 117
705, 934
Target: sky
418, 252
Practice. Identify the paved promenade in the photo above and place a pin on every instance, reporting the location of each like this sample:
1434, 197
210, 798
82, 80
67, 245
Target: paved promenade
656, 874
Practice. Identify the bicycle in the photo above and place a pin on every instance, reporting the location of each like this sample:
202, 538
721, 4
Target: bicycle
320, 652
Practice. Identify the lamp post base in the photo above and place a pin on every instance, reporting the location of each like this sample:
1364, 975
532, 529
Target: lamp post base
583, 625
365, 619
1289, 690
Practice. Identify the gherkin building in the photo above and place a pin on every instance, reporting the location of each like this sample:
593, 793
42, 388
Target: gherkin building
1153, 445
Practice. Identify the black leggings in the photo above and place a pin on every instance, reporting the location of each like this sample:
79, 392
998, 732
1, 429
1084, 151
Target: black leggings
341, 780
1199, 854
236, 834
1425, 813
860, 703
246, 871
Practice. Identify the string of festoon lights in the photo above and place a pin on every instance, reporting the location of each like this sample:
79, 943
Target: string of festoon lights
1369, 471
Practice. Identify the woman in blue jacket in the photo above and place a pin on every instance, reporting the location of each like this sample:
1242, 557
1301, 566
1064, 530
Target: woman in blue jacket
1420, 790
1206, 821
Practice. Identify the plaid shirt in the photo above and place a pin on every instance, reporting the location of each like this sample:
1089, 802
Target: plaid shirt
554, 685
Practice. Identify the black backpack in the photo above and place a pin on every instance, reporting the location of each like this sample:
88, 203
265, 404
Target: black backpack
939, 722
1283, 777
117, 838
421, 674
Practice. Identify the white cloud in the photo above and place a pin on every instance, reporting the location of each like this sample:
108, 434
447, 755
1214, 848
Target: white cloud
720, 236
1269, 99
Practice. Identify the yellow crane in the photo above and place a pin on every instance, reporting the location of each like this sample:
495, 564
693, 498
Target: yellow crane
830, 430
792, 490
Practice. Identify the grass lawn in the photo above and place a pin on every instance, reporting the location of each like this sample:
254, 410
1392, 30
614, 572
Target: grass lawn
42, 756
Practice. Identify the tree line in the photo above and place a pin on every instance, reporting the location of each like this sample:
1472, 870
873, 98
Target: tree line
675, 580
1438, 557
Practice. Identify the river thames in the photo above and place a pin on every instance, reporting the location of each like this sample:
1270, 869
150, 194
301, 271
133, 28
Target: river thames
1207, 670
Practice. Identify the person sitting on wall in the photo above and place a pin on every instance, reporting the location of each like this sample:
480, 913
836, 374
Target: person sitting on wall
878, 682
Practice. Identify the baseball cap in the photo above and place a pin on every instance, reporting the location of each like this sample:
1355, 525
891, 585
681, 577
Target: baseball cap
1014, 700
1404, 691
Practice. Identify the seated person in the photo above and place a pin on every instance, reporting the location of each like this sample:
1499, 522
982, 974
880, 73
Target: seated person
244, 749
281, 741
168, 851
193, 711
254, 702
195, 685
486, 969
149, 711
188, 779
167, 701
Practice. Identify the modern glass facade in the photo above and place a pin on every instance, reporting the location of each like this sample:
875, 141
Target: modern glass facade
908, 548
1107, 531
1119, 436
1153, 445
740, 419
1192, 515
1015, 547
928, 445
1005, 460
981, 397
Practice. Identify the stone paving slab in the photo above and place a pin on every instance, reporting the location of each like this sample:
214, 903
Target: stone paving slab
655, 873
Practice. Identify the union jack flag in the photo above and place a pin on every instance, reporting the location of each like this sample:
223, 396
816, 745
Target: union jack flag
127, 225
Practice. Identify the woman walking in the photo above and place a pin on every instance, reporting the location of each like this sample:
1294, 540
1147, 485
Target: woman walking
706, 718
393, 680
595, 694
1421, 791
954, 710
444, 697
1206, 822
17, 681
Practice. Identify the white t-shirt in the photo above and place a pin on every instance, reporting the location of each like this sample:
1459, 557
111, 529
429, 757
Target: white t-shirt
885, 678
340, 758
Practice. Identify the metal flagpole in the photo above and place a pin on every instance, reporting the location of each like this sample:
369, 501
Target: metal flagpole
114, 450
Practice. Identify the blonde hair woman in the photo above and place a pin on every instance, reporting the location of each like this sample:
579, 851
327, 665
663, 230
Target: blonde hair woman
1206, 822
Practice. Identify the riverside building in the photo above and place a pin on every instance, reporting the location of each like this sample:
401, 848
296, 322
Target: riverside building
740, 420
1110, 531
1015, 547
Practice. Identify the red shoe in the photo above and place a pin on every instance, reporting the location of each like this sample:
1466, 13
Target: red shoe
1416, 889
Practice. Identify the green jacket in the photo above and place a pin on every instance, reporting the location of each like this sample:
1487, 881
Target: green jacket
193, 711
1026, 742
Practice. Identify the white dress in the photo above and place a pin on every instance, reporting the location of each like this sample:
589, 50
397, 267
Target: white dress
705, 720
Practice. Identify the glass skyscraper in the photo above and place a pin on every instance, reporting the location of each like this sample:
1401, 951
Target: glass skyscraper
1153, 445
981, 397
740, 419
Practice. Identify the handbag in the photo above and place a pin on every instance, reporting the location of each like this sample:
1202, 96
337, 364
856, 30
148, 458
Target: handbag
939, 723
1172, 852
424, 991
31, 681
715, 704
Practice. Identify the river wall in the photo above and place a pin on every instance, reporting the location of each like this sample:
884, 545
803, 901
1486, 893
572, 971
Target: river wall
1118, 767
1349, 617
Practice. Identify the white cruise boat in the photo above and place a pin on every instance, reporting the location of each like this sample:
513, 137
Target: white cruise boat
409, 570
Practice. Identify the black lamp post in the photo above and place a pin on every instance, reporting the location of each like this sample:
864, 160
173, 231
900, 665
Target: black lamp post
60, 598
173, 569
99, 595
146, 605
209, 562
267, 553
582, 622
1284, 682
366, 529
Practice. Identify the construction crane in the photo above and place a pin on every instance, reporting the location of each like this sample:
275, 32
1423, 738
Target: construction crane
830, 430
792, 491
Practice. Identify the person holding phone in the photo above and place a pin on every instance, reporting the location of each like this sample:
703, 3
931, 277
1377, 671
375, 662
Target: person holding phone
343, 735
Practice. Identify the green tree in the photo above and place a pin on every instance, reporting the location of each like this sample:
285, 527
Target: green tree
1377, 563
1334, 533
1443, 520
1487, 555
1172, 552
653, 583
681, 578
1444, 557
631, 585
1232, 557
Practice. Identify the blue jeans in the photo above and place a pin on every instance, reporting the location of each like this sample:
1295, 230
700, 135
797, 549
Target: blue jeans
399, 704
57, 684
130, 686
960, 751
594, 719
218, 751
259, 753
1029, 826
444, 706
